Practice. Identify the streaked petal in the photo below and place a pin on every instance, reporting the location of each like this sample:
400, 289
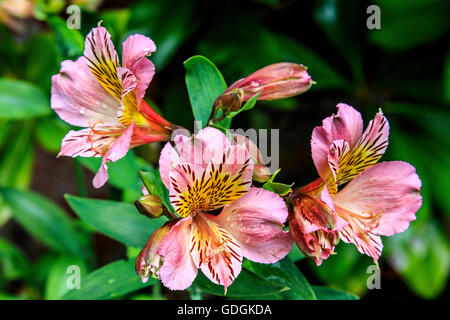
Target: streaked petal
194, 188
215, 251
347, 125
85, 143
256, 221
103, 61
366, 242
385, 196
79, 99
167, 161
368, 150
178, 270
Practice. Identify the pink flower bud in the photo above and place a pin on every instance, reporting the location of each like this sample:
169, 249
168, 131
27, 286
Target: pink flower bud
148, 262
276, 81
312, 225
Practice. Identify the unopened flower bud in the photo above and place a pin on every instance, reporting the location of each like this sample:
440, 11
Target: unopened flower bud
276, 81
150, 206
313, 226
231, 101
149, 261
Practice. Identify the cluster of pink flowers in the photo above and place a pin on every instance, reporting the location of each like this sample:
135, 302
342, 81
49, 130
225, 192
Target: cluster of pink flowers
220, 216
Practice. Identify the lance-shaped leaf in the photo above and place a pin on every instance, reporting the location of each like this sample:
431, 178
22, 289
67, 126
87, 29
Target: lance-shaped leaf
111, 281
44, 220
118, 220
324, 293
284, 273
21, 100
204, 83
247, 285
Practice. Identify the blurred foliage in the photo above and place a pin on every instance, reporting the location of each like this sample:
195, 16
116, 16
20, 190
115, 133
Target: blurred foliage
404, 67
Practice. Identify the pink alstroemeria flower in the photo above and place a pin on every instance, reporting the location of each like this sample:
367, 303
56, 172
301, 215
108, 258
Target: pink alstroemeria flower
205, 174
97, 93
378, 199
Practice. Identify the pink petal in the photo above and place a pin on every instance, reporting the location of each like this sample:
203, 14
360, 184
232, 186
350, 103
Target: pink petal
256, 221
128, 80
320, 145
215, 251
102, 59
121, 146
135, 49
118, 150
79, 99
367, 151
178, 270
101, 176
367, 242
207, 146
388, 193
326, 197
167, 161
194, 188
85, 143
346, 125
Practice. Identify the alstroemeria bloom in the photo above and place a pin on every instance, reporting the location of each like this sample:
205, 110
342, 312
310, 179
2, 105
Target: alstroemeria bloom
97, 93
378, 199
205, 174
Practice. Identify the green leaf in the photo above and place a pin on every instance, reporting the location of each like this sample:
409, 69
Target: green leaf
43, 220
427, 20
346, 271
111, 281
224, 46
324, 293
279, 188
446, 84
155, 186
70, 41
123, 174
118, 220
115, 21
246, 285
16, 160
44, 60
336, 18
21, 100
204, 83
169, 23
421, 255
295, 254
286, 274
50, 132
247, 106
59, 276
13, 263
